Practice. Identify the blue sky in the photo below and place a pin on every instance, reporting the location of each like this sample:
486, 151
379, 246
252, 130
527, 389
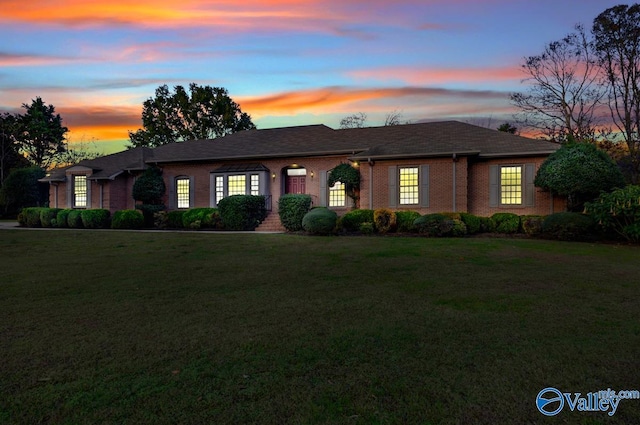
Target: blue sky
286, 62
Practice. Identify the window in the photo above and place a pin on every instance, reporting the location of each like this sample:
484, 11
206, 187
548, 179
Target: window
255, 184
219, 188
337, 195
511, 185
183, 192
236, 185
79, 191
409, 189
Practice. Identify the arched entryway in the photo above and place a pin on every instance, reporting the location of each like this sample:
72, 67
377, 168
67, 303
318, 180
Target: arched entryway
295, 179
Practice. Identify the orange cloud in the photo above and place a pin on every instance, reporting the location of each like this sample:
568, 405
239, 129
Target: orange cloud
434, 76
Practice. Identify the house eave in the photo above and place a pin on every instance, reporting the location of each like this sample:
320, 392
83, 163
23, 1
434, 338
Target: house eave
363, 156
256, 157
516, 154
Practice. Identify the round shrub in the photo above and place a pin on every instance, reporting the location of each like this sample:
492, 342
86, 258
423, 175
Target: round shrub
291, 209
319, 221
433, 225
367, 228
352, 220
200, 218
74, 219
506, 222
242, 212
532, 224
48, 216
569, 226
62, 217
459, 228
487, 225
31, 217
127, 219
384, 220
473, 223
95, 219
405, 219
618, 213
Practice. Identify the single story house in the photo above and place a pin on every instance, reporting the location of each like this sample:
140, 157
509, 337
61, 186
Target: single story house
430, 167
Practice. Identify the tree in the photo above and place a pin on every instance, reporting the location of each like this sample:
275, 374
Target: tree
354, 121
508, 128
22, 189
617, 45
394, 118
40, 134
80, 151
350, 177
579, 171
204, 112
9, 156
149, 189
563, 95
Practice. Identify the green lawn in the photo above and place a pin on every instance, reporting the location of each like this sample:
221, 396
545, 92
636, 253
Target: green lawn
165, 328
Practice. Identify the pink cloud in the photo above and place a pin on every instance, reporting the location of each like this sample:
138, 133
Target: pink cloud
437, 76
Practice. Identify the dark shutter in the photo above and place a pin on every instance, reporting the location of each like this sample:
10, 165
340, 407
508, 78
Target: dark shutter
393, 186
323, 189
192, 187
529, 188
424, 186
172, 193
494, 185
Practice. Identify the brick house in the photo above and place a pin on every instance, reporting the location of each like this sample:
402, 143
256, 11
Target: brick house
431, 167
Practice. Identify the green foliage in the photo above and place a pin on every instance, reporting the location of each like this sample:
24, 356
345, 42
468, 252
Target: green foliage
127, 219
201, 218
579, 171
204, 113
319, 221
62, 218
506, 222
242, 212
473, 223
74, 219
30, 217
569, 226
95, 219
384, 220
349, 176
352, 220
437, 225
532, 224
149, 188
21, 189
487, 225
49, 216
292, 209
618, 212
168, 219
367, 228
405, 220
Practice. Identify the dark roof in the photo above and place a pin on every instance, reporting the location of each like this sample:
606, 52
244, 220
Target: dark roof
403, 141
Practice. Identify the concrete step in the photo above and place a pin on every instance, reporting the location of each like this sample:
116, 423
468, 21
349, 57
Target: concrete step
271, 224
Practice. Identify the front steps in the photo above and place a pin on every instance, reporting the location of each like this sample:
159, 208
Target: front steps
271, 224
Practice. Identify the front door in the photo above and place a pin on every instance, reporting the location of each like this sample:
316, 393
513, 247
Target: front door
295, 184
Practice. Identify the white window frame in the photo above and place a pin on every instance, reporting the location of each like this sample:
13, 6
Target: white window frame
409, 194
76, 194
511, 192
183, 199
337, 195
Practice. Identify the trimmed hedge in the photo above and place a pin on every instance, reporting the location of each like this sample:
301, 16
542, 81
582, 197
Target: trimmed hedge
384, 220
62, 217
292, 209
127, 219
367, 228
95, 219
506, 222
532, 224
74, 219
405, 220
200, 218
30, 217
352, 220
437, 225
569, 226
49, 216
242, 212
473, 223
319, 221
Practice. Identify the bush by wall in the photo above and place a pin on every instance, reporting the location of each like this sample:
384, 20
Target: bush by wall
384, 220
30, 217
201, 218
473, 223
569, 226
532, 224
367, 228
405, 219
319, 221
95, 219
61, 218
292, 209
618, 213
74, 219
49, 216
506, 222
242, 212
168, 219
127, 219
352, 220
436, 225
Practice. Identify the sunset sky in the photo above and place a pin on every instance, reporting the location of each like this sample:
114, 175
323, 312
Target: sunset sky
286, 62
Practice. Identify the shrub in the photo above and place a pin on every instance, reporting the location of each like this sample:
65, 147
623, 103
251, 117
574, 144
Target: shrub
319, 221
127, 219
473, 223
452, 215
291, 209
168, 219
95, 219
200, 218
618, 212
352, 220
242, 212
506, 222
62, 217
74, 219
532, 224
435, 225
487, 225
21, 188
459, 228
384, 220
350, 177
405, 219
367, 228
31, 217
149, 189
569, 226
48, 217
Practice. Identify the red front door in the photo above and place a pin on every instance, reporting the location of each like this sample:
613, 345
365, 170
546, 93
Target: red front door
295, 184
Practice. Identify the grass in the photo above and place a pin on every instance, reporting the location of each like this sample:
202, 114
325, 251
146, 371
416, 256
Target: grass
164, 328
